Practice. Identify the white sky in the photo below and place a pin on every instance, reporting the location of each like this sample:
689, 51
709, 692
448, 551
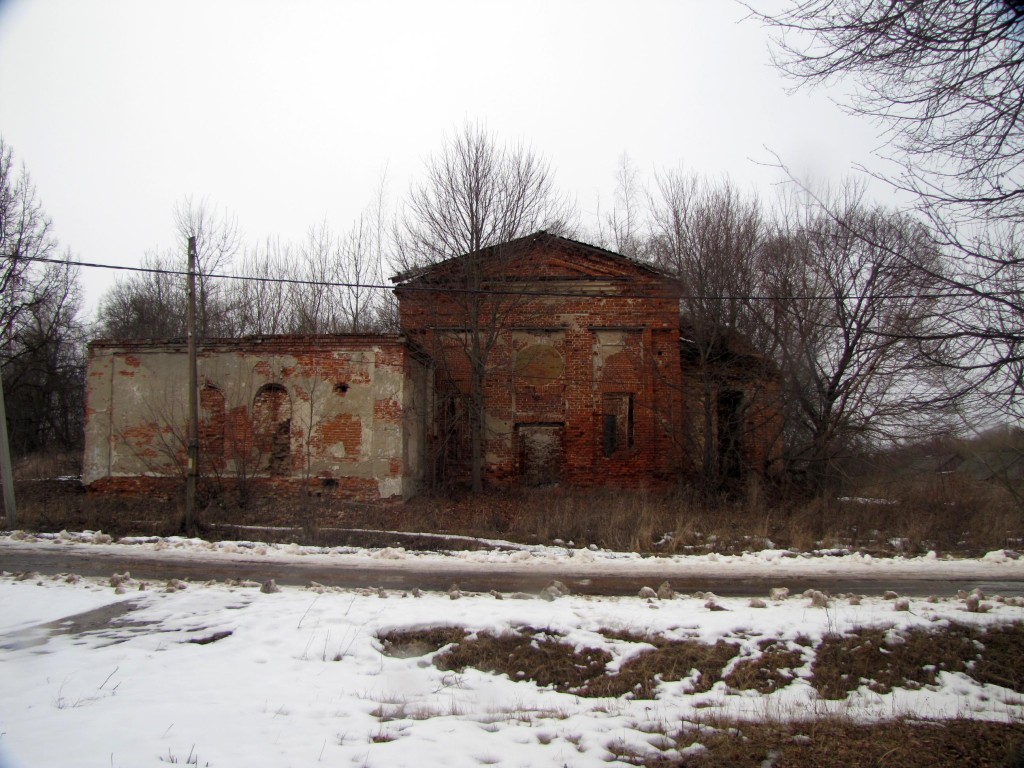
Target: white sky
286, 114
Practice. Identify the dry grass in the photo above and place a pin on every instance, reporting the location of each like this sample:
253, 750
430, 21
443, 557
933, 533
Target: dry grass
839, 743
44, 466
913, 658
410, 643
540, 657
883, 661
700, 663
874, 657
999, 659
974, 522
770, 670
54, 505
880, 514
531, 655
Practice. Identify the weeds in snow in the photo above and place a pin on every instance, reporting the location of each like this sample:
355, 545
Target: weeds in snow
192, 759
60, 702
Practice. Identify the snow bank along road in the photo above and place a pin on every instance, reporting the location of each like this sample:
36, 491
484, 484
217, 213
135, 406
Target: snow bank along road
511, 568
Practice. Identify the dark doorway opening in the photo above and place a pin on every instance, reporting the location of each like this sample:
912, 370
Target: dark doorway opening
540, 453
730, 434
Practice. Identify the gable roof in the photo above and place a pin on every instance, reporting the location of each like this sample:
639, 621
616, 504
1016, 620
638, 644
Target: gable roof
600, 262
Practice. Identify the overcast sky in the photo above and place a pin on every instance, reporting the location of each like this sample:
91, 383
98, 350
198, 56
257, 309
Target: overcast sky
289, 113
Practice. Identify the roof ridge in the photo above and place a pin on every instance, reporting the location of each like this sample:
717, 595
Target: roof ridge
540, 234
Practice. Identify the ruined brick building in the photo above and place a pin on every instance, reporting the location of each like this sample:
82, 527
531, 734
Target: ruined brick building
572, 355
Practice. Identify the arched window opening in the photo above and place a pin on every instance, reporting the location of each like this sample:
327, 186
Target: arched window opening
272, 428
539, 365
211, 426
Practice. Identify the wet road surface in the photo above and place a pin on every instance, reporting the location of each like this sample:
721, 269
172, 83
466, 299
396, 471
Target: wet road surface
407, 574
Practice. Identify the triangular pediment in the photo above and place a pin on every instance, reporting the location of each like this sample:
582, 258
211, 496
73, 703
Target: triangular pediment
542, 257
551, 262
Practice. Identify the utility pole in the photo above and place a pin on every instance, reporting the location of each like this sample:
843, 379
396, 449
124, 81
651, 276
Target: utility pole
193, 392
5, 464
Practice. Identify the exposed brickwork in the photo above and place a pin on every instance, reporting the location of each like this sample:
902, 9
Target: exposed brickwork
282, 412
388, 411
554, 359
345, 430
212, 426
598, 374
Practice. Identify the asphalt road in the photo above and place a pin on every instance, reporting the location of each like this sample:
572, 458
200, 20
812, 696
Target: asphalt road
581, 578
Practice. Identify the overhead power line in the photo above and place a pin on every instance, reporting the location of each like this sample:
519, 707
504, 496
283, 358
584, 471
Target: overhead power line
953, 294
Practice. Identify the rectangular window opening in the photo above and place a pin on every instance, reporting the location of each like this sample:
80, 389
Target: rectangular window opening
618, 422
610, 430
455, 430
629, 423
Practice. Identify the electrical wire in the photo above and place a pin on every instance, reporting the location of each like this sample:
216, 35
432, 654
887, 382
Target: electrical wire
491, 291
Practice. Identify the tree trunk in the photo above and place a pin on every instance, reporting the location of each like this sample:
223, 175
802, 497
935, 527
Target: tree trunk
476, 432
710, 473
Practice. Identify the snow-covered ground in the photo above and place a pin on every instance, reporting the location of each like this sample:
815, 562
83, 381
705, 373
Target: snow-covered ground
297, 677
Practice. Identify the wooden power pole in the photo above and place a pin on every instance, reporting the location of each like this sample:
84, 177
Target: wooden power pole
5, 464
193, 396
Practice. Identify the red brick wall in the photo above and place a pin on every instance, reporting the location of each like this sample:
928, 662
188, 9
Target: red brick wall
623, 296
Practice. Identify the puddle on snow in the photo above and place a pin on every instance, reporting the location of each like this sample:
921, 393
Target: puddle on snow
111, 623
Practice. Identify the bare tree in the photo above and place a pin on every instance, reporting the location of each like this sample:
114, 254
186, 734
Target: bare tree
709, 236
359, 253
339, 279
151, 303
217, 242
148, 304
944, 77
44, 374
363, 251
851, 298
981, 341
478, 196
382, 222
314, 301
328, 284
259, 304
25, 236
42, 339
623, 228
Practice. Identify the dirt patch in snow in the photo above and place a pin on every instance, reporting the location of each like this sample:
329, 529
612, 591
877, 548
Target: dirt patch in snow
872, 657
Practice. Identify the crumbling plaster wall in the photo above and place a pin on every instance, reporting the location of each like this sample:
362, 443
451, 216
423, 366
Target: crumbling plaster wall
334, 408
